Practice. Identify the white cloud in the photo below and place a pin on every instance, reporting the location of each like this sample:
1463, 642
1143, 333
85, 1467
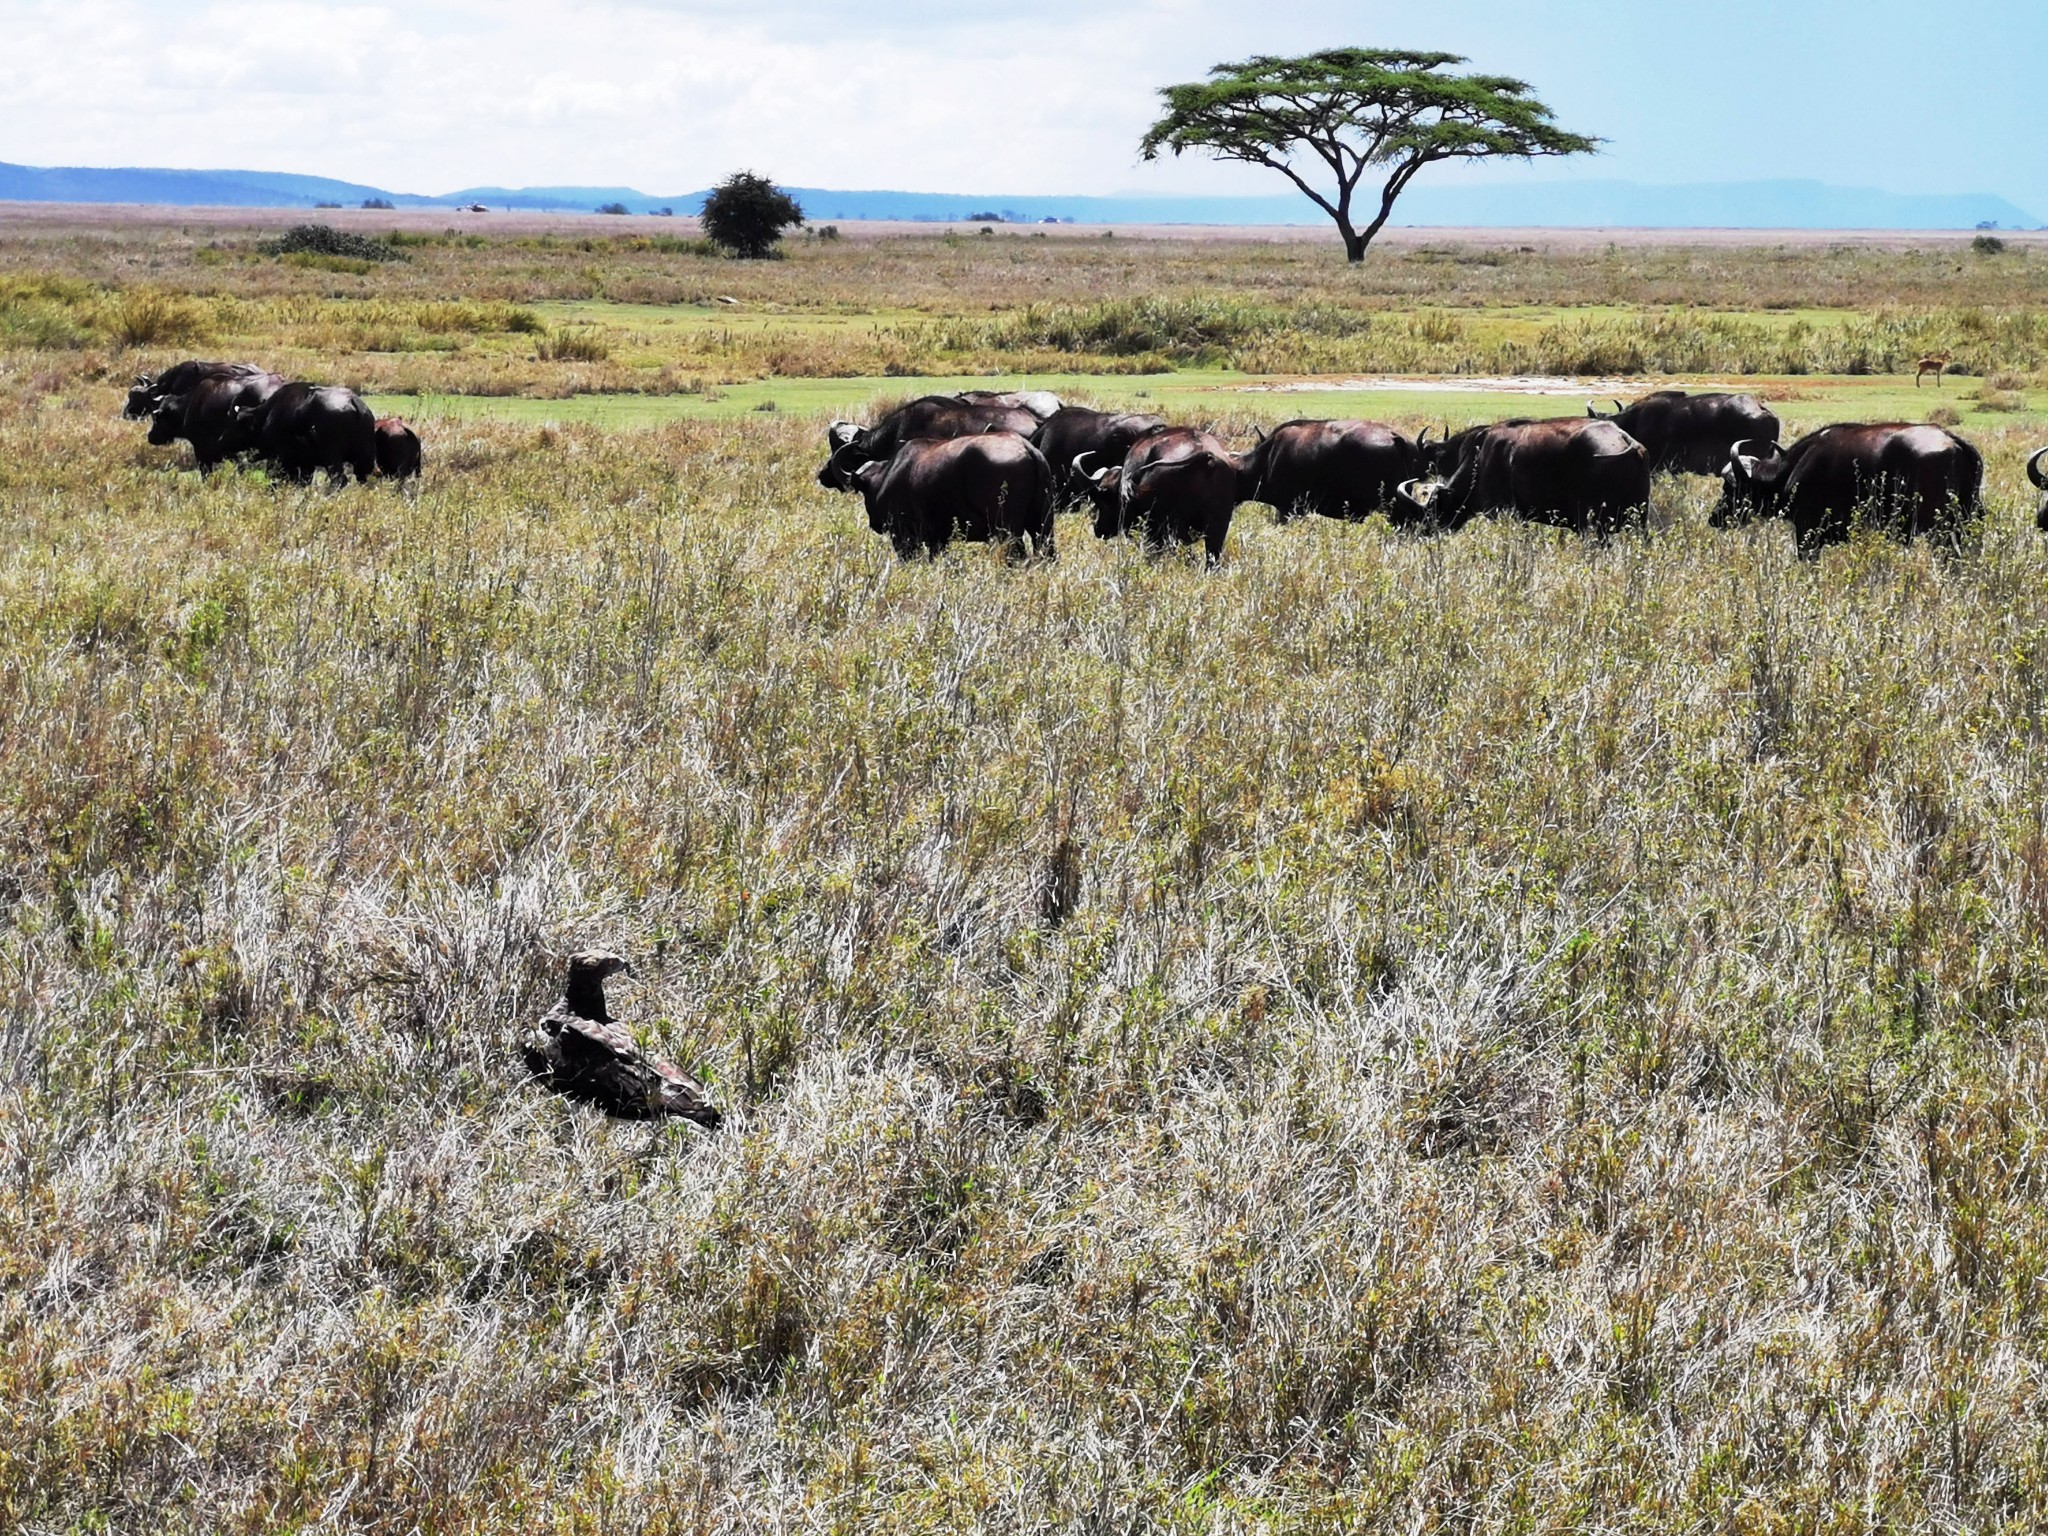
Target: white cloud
1047, 96
663, 97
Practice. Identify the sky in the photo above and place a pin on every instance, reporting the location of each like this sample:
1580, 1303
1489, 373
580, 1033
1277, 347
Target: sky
1047, 97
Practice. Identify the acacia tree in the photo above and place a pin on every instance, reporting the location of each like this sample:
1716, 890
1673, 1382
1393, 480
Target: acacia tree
746, 214
1358, 110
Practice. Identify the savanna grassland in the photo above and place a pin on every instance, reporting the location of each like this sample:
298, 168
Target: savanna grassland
1487, 1033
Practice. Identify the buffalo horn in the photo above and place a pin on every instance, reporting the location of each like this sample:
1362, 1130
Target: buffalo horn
2034, 470
1081, 461
1422, 442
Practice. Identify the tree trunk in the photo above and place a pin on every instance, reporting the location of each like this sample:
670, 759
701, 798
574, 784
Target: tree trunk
1354, 242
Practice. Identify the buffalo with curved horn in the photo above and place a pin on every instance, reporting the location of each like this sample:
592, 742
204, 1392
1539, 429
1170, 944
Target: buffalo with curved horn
1905, 477
2040, 482
1691, 434
1585, 475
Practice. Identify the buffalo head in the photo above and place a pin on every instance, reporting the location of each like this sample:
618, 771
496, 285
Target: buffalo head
142, 398
166, 420
1102, 484
2040, 482
1755, 473
1414, 503
849, 454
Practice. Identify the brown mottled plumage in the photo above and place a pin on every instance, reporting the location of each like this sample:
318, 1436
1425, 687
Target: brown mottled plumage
578, 1051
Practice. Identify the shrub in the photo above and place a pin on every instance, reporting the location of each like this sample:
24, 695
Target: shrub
746, 214
613, 208
574, 346
1987, 245
1944, 416
377, 202
2000, 400
326, 240
145, 317
828, 231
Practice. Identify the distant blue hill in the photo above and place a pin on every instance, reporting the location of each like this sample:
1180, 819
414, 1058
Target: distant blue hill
1553, 204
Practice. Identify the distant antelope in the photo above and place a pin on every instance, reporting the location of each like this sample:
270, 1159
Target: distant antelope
1937, 366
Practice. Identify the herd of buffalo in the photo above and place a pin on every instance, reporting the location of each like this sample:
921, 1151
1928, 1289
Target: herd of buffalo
998, 467
225, 410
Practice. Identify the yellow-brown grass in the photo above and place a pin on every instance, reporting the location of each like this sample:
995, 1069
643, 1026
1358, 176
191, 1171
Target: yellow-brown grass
1537, 1036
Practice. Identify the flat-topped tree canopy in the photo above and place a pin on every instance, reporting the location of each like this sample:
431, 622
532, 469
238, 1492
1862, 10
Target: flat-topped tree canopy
1358, 110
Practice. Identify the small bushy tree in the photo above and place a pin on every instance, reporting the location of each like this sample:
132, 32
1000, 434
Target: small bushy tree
746, 214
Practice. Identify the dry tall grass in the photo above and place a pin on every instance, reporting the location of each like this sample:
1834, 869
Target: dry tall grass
1493, 1033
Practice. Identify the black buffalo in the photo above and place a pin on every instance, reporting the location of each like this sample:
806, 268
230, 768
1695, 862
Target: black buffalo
1346, 469
150, 390
304, 428
1585, 475
1174, 486
204, 414
2040, 481
398, 449
933, 416
990, 488
1075, 430
1905, 478
1692, 434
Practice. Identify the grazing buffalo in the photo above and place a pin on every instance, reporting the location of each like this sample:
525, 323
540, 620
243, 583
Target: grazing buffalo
933, 416
1909, 478
1173, 487
1346, 469
1075, 429
991, 488
303, 428
2040, 481
1586, 475
1692, 434
398, 449
203, 415
150, 390
1039, 402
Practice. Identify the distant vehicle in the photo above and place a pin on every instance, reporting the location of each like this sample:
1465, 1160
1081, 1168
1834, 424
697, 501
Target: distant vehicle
473, 208
1048, 219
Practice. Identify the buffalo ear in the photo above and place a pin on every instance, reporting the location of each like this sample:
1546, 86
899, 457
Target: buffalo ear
840, 433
